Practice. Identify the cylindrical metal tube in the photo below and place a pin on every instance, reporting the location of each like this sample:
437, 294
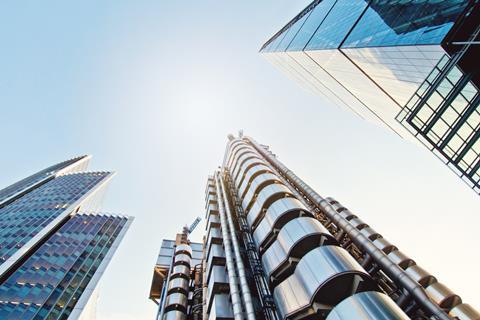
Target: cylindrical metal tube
246, 295
204, 284
232, 276
392, 270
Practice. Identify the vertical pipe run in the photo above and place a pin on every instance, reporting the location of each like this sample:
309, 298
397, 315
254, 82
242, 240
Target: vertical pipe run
392, 270
246, 295
232, 277
161, 304
205, 284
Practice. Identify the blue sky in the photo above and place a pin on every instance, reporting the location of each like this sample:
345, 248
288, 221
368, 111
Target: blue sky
152, 88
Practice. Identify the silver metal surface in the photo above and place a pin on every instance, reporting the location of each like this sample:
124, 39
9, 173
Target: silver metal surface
323, 277
213, 221
238, 155
178, 285
183, 248
370, 233
443, 296
241, 163
392, 270
214, 236
347, 215
231, 149
221, 308
176, 301
244, 287
236, 152
249, 176
358, 223
180, 270
400, 259
295, 239
174, 315
242, 157
216, 257
211, 207
265, 197
217, 283
257, 184
182, 259
384, 245
418, 274
465, 311
278, 214
368, 305
249, 164
232, 273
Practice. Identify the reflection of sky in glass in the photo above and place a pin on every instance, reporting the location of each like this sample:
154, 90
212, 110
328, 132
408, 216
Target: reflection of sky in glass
50, 282
31, 180
450, 120
383, 23
313, 21
395, 23
24, 218
337, 24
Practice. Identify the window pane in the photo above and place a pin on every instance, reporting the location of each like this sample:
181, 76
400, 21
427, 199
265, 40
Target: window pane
394, 22
311, 24
337, 24
291, 33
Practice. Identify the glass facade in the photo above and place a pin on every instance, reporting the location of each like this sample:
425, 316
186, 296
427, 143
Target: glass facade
53, 249
338, 22
24, 218
48, 284
445, 114
372, 56
332, 24
39, 176
400, 23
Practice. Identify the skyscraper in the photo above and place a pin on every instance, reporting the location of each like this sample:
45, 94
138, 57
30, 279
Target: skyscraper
54, 243
410, 66
275, 249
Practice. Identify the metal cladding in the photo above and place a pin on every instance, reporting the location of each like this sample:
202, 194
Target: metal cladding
178, 286
274, 249
324, 277
367, 305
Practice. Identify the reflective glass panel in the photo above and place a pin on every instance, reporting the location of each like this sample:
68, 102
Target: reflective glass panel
400, 22
311, 24
337, 24
292, 32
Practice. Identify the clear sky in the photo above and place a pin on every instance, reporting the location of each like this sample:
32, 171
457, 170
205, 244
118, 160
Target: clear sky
152, 88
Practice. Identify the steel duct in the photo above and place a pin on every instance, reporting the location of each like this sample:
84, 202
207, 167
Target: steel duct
391, 269
246, 295
232, 277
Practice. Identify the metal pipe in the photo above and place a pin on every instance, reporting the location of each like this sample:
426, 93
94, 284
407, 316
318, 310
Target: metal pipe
204, 283
232, 276
246, 295
391, 269
163, 296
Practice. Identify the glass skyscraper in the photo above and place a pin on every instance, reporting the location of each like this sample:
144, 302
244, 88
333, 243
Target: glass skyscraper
273, 248
54, 243
410, 66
